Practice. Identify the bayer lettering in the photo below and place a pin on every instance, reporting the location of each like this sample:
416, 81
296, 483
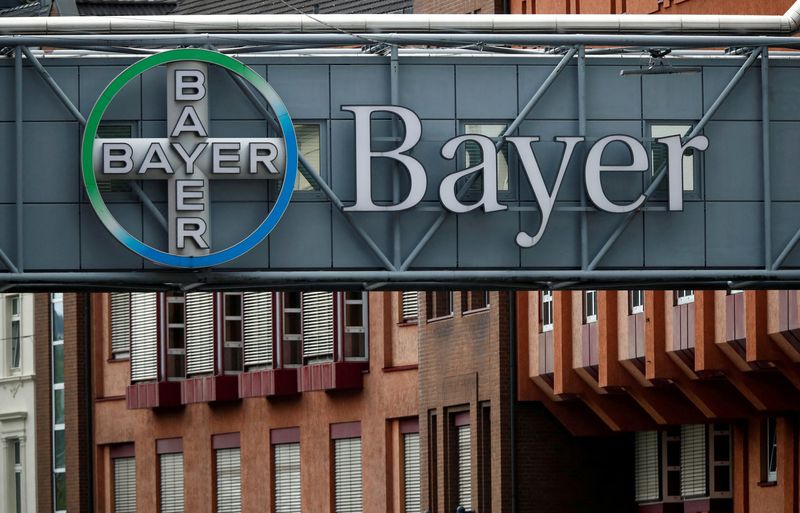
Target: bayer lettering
448, 189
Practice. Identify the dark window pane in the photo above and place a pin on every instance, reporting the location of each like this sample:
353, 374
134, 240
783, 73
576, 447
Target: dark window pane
722, 479
60, 491
291, 299
59, 448
722, 448
673, 483
58, 364
353, 315
176, 338
233, 359
354, 345
292, 352
58, 406
291, 323
176, 366
233, 305
233, 331
58, 321
175, 313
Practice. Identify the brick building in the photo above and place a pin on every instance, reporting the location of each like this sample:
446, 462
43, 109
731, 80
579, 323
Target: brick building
754, 7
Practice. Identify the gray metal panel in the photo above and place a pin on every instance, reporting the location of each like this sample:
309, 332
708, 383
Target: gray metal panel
486, 92
348, 249
8, 232
52, 237
483, 239
784, 90
428, 90
99, 249
232, 103
624, 187
733, 161
733, 234
304, 89
560, 244
675, 239
39, 102
303, 237
660, 92
786, 221
358, 85
126, 104
154, 89
785, 147
232, 222
442, 250
629, 249
610, 96
7, 149
549, 154
559, 100
51, 175
744, 102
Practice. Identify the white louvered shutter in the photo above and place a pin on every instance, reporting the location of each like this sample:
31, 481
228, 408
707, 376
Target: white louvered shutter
646, 466
411, 472
144, 339
410, 305
464, 468
347, 473
693, 461
199, 333
317, 324
171, 475
287, 478
257, 328
229, 481
120, 323
125, 485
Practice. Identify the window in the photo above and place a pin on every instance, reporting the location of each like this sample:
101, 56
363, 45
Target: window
124, 485
347, 475
258, 329
143, 330
199, 333
120, 325
286, 465
171, 482
671, 458
439, 304
464, 466
409, 308
770, 450
719, 457
694, 463
176, 336
733, 292
233, 323
589, 306
355, 326
57, 379
16, 449
15, 333
545, 311
292, 329
684, 297
411, 473
635, 302
229, 482
646, 466
308, 144
474, 300
317, 326
474, 155
659, 154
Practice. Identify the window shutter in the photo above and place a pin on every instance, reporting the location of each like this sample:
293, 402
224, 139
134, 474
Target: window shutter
464, 473
144, 339
287, 478
120, 322
257, 328
229, 483
347, 474
646, 467
317, 324
411, 472
124, 485
410, 305
199, 333
693, 461
171, 475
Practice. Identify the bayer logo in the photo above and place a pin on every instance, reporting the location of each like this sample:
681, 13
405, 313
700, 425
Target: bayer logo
187, 159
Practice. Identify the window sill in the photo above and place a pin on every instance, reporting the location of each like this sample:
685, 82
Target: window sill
476, 311
118, 360
411, 322
767, 484
437, 319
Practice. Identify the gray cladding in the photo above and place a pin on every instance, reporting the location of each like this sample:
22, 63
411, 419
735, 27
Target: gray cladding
720, 227
294, 7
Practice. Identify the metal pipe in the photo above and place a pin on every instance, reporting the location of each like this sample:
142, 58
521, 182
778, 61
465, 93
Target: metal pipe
663, 170
8, 263
508, 131
19, 137
433, 23
765, 158
317, 177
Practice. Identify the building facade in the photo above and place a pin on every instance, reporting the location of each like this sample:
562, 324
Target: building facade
755, 7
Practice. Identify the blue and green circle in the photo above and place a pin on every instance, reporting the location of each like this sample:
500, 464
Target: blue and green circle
139, 247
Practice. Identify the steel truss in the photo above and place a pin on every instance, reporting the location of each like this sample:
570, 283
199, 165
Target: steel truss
397, 274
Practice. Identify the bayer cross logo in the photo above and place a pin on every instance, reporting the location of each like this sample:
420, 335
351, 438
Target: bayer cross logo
188, 159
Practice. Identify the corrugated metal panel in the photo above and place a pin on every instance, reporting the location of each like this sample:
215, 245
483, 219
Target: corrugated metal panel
411, 473
120, 323
317, 324
171, 476
125, 485
410, 302
144, 338
287, 478
647, 466
257, 328
199, 333
347, 475
306, 6
694, 462
229, 481
464, 472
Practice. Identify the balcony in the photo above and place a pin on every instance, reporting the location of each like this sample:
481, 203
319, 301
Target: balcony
162, 394
209, 389
332, 376
268, 383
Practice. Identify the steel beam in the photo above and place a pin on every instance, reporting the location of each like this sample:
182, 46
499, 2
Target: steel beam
662, 172
765, 158
394, 86
582, 133
18, 157
508, 131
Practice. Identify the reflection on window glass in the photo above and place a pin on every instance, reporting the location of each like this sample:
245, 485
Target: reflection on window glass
308, 143
59, 448
659, 153
474, 156
58, 406
60, 492
58, 320
58, 364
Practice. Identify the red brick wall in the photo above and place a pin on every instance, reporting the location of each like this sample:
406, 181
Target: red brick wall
44, 418
458, 6
75, 382
649, 6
